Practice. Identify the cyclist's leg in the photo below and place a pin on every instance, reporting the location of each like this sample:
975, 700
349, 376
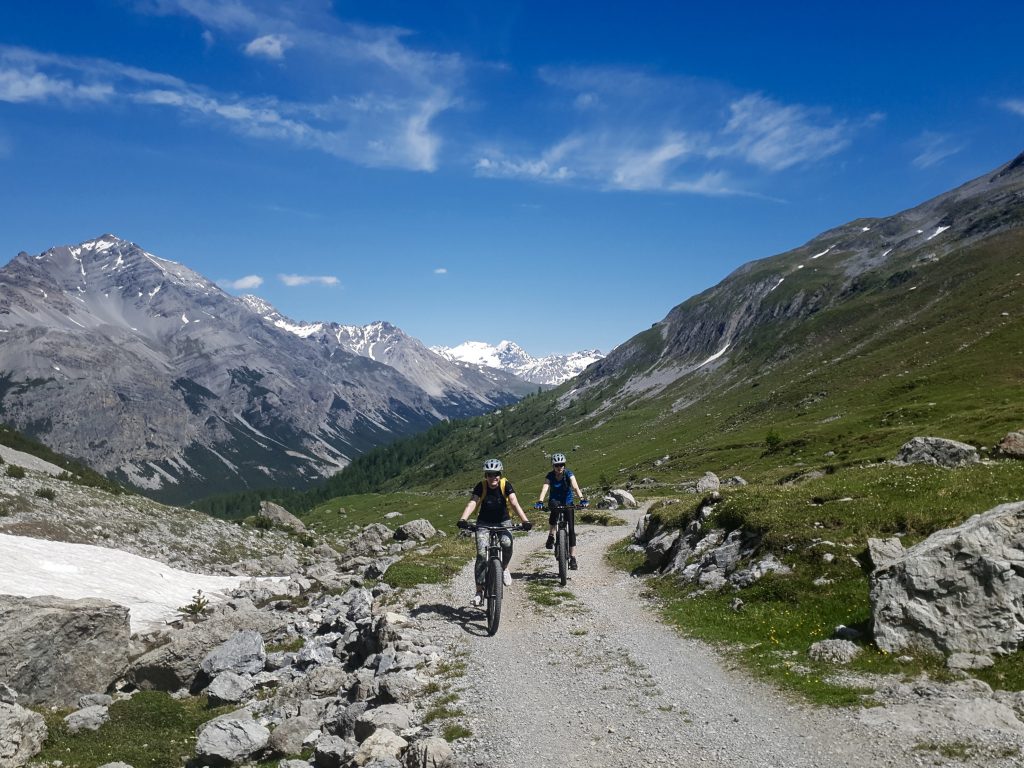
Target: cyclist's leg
572, 531
552, 518
506, 546
480, 572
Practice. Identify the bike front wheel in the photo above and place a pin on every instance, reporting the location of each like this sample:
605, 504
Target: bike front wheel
495, 588
562, 554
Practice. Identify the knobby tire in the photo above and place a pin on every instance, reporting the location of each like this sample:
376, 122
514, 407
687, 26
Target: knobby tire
494, 594
562, 553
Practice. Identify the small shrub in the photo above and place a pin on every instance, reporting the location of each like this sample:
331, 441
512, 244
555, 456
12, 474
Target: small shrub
197, 607
46, 493
13, 470
772, 441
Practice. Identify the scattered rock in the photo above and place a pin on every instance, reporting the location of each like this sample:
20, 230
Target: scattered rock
834, 651
965, 661
231, 738
416, 530
278, 515
432, 752
22, 733
958, 590
937, 451
1012, 446
87, 719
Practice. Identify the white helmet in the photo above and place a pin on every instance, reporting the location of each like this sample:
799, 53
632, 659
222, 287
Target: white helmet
558, 458
493, 465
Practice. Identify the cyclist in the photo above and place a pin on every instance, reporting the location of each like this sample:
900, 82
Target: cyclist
562, 483
493, 495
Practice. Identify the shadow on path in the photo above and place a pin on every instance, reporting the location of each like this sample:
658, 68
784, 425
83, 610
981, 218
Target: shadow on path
472, 620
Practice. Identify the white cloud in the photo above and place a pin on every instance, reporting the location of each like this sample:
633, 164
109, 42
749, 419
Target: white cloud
19, 85
208, 39
775, 136
270, 46
441, 271
932, 148
245, 283
1014, 105
629, 130
293, 281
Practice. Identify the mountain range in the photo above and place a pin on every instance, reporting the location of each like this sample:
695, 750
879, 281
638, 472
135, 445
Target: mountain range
510, 357
155, 376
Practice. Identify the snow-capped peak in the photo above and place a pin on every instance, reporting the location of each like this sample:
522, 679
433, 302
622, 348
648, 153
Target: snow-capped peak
509, 356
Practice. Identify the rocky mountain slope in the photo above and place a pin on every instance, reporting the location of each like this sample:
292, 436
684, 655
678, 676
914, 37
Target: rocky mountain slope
855, 287
509, 356
187, 390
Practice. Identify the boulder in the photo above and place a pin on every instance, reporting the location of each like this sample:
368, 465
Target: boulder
709, 482
243, 653
53, 651
1012, 446
332, 752
432, 752
393, 717
937, 451
834, 651
231, 738
278, 515
292, 735
417, 530
229, 688
22, 733
87, 719
383, 743
623, 498
959, 590
176, 664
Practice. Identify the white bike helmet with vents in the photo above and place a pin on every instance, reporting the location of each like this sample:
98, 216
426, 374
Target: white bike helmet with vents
493, 465
558, 458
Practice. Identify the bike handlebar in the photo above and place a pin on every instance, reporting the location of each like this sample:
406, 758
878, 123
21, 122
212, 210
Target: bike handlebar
477, 527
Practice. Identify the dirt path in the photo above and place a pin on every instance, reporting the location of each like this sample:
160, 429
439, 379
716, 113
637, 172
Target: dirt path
599, 681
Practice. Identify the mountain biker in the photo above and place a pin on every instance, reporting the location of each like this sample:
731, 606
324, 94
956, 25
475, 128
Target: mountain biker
562, 483
493, 495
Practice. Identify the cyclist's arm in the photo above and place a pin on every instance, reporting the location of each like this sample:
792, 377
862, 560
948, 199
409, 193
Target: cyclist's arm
474, 500
543, 492
519, 510
576, 487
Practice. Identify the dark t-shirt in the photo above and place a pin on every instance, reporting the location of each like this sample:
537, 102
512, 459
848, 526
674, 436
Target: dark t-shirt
561, 490
493, 509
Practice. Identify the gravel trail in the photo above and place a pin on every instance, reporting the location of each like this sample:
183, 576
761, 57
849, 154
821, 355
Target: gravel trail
599, 682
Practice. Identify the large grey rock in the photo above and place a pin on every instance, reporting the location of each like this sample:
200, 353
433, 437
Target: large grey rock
242, 653
657, 549
431, 752
417, 530
961, 589
278, 515
176, 664
624, 498
332, 752
231, 739
229, 688
937, 451
292, 735
383, 743
709, 482
1012, 446
834, 651
53, 651
394, 717
22, 733
87, 719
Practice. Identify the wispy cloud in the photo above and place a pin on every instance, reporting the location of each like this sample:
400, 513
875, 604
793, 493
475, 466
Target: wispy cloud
293, 281
244, 283
441, 271
270, 46
1014, 105
380, 98
932, 148
630, 130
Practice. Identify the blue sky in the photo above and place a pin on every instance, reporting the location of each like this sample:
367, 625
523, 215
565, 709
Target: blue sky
558, 174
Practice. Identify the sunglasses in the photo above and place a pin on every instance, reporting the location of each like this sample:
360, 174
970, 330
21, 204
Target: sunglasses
492, 475
559, 466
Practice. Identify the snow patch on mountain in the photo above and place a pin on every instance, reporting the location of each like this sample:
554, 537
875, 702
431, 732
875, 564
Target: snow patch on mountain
510, 357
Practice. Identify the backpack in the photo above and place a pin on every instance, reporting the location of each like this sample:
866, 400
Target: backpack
504, 493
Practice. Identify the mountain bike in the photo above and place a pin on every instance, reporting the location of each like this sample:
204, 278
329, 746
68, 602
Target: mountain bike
562, 538
494, 587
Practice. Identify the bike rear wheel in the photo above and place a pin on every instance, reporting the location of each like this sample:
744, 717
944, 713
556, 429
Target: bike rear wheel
494, 594
562, 554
